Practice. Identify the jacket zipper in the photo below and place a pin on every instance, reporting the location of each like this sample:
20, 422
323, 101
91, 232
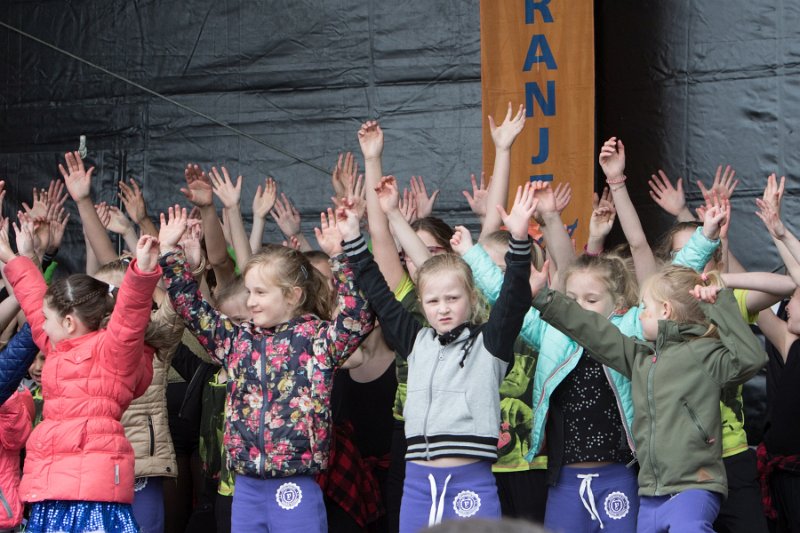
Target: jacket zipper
706, 438
544, 389
625, 427
430, 401
652, 410
152, 435
261, 422
6, 505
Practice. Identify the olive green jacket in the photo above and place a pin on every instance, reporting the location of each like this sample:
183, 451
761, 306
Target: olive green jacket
676, 386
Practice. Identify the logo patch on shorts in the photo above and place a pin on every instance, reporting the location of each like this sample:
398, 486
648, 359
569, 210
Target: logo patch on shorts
617, 505
139, 484
288, 496
466, 503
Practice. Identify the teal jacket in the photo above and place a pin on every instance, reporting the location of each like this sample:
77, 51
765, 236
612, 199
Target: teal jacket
559, 354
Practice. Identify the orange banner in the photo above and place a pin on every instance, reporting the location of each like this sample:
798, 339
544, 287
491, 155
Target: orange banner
541, 54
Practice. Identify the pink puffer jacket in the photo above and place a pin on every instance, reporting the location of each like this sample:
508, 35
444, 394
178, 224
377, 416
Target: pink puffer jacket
16, 416
79, 451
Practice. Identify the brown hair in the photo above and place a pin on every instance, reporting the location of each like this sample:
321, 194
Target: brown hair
612, 270
502, 237
663, 250
672, 284
451, 264
439, 230
288, 268
83, 296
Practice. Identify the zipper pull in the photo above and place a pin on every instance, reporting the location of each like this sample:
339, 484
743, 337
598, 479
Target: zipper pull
654, 359
633, 462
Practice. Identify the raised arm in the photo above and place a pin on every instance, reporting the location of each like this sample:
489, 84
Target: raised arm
230, 195
612, 161
559, 243
670, 199
263, 202
412, 245
503, 136
133, 200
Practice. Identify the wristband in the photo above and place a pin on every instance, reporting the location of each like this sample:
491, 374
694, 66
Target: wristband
616, 181
591, 254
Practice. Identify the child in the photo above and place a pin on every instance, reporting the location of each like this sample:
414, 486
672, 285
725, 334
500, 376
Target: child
16, 414
280, 364
675, 382
79, 466
452, 412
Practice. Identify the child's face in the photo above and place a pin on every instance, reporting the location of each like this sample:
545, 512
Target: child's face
325, 268
54, 324
267, 303
235, 308
446, 301
35, 370
651, 311
590, 292
793, 313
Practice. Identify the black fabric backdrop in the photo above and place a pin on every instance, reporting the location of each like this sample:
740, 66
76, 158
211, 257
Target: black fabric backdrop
687, 85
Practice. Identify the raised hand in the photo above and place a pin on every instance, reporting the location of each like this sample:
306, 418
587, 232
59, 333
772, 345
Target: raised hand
6, 253
705, 293
355, 195
228, 193
172, 228
538, 278
286, 216
346, 169
77, 179
773, 192
133, 200
723, 184
328, 235
518, 220
56, 194
58, 219
40, 204
147, 253
461, 241
27, 241
198, 188
480, 195
190, 242
408, 207
420, 193
563, 196
388, 196
771, 219
292, 243
612, 159
602, 221
547, 200
370, 137
117, 221
670, 199
264, 199
718, 229
506, 133
347, 223
103, 213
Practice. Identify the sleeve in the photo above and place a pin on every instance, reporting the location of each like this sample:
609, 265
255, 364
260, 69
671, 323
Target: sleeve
15, 359
505, 319
16, 416
29, 288
168, 325
697, 251
399, 326
213, 330
601, 339
123, 344
740, 355
489, 278
741, 300
353, 319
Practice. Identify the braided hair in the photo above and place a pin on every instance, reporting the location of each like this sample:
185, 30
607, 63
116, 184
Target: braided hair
84, 296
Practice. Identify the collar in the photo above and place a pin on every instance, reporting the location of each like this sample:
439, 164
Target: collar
446, 338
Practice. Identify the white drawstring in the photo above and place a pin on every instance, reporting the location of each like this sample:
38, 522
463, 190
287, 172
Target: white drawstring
586, 489
435, 516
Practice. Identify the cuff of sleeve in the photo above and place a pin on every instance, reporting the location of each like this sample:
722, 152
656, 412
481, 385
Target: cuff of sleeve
356, 249
49, 258
134, 267
543, 298
700, 233
171, 257
521, 248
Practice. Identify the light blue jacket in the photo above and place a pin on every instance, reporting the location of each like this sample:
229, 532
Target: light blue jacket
558, 354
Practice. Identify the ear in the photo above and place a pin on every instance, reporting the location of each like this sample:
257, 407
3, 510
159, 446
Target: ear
666, 310
70, 324
294, 296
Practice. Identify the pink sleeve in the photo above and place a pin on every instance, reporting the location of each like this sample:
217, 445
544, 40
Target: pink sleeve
15, 421
29, 288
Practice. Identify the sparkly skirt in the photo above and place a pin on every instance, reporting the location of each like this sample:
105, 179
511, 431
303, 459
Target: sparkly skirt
62, 516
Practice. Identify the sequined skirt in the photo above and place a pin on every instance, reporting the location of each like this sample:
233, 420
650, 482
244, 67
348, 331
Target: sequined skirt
60, 516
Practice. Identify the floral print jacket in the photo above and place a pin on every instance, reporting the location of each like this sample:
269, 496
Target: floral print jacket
277, 412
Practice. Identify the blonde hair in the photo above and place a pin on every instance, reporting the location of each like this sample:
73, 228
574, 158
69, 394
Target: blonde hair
673, 284
612, 270
502, 237
452, 264
288, 268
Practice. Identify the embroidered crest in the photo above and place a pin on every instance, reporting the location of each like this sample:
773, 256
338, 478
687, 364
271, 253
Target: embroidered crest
139, 483
288, 496
617, 505
466, 503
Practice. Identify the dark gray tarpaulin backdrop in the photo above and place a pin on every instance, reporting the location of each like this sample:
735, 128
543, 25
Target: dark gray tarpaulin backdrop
686, 84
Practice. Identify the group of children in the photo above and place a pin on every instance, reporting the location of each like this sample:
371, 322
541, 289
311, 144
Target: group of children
394, 381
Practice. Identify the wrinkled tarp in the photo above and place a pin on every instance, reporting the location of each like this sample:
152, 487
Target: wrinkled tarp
298, 74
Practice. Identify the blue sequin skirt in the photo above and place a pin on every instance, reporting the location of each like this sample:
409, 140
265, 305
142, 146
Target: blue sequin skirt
61, 516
